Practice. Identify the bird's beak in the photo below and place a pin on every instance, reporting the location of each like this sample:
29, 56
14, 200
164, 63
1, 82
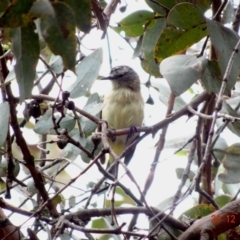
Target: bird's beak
110, 77
105, 78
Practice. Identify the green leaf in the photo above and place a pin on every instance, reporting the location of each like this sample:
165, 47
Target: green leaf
4, 168
234, 127
89, 146
230, 189
212, 78
31, 188
173, 41
93, 106
186, 26
149, 41
103, 223
87, 72
182, 71
119, 201
57, 199
45, 124
99, 223
228, 13
180, 171
25, 46
82, 12
203, 5
58, 30
2, 185
198, 211
138, 48
4, 121
185, 16
219, 148
72, 152
164, 93
224, 41
93, 98
41, 8
133, 25
16, 15
162, 7
167, 3
231, 164
223, 200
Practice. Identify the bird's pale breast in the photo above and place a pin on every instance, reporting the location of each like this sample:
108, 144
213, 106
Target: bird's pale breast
123, 109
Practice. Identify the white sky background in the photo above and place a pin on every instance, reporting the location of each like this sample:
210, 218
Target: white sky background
165, 183
122, 54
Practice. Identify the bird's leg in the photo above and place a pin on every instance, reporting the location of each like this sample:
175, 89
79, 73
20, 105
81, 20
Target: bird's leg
111, 134
132, 131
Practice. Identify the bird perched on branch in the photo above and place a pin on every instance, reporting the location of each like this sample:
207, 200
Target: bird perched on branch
124, 108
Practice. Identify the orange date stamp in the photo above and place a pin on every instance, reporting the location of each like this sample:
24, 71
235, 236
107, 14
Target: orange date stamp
229, 218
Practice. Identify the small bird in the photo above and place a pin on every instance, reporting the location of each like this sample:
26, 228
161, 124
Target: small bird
124, 108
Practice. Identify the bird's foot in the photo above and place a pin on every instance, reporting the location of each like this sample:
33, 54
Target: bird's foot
111, 134
132, 131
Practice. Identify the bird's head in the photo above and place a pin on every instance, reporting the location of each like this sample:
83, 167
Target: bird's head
124, 77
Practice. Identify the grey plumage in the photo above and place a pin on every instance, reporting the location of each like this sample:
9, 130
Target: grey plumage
124, 76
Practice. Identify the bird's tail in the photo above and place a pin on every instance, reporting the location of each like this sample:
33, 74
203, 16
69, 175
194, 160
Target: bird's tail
118, 148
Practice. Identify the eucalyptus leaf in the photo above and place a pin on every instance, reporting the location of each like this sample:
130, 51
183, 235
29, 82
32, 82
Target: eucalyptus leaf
16, 14
224, 41
93, 108
25, 46
164, 93
185, 16
149, 41
4, 168
70, 151
182, 71
90, 146
41, 8
161, 8
228, 13
47, 126
186, 25
133, 25
31, 188
234, 127
82, 12
212, 78
138, 48
231, 165
222, 200
87, 72
58, 30
219, 148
